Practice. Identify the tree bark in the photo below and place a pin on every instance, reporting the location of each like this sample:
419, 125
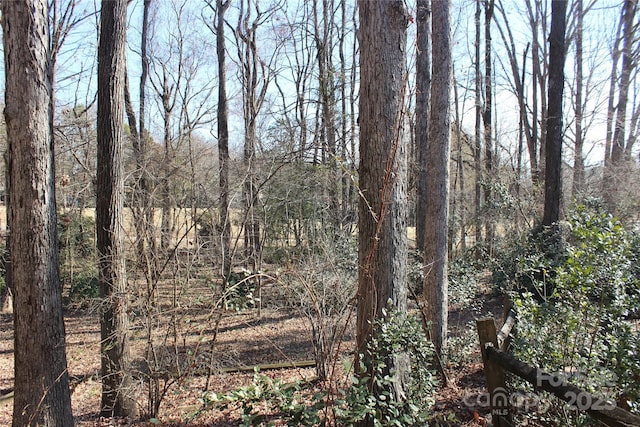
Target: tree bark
436, 253
41, 393
628, 63
578, 162
223, 140
553, 178
117, 399
477, 151
487, 118
382, 220
423, 94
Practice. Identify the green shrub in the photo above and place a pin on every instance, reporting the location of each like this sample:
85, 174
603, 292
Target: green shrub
395, 334
76, 234
84, 287
266, 400
582, 329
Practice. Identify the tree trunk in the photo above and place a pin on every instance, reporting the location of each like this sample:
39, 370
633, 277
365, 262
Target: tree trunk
382, 253
41, 382
168, 93
223, 140
553, 178
629, 40
117, 398
578, 162
435, 254
423, 93
323, 34
487, 118
477, 151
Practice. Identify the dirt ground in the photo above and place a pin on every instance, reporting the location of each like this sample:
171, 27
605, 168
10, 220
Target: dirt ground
243, 341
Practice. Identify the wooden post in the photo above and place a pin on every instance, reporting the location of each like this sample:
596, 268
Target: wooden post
498, 394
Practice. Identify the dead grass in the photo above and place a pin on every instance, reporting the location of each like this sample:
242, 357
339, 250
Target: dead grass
186, 328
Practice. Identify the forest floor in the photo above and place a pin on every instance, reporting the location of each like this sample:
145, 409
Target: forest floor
243, 340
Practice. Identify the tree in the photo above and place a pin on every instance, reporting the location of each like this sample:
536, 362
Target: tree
553, 160
423, 93
477, 149
628, 63
117, 399
578, 163
438, 151
617, 149
41, 378
255, 74
382, 225
529, 127
142, 208
487, 118
223, 139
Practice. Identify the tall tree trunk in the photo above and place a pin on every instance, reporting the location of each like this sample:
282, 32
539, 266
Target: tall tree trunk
628, 63
345, 180
323, 33
117, 398
487, 118
553, 177
477, 152
616, 128
41, 380
168, 94
256, 76
516, 73
578, 161
435, 254
459, 173
423, 93
382, 253
611, 107
223, 140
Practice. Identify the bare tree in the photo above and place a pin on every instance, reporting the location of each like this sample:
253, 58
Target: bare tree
223, 138
256, 75
142, 208
553, 178
628, 64
41, 379
436, 255
529, 126
117, 399
578, 162
382, 175
423, 93
487, 118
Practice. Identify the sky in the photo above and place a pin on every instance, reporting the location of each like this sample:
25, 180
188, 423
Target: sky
77, 63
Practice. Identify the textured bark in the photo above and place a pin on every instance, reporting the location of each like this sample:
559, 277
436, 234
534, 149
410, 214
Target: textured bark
323, 36
615, 147
41, 380
142, 204
477, 152
578, 161
117, 399
255, 81
223, 139
628, 64
383, 168
487, 118
553, 142
436, 254
423, 93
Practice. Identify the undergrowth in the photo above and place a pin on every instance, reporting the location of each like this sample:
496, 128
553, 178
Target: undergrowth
268, 401
576, 304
